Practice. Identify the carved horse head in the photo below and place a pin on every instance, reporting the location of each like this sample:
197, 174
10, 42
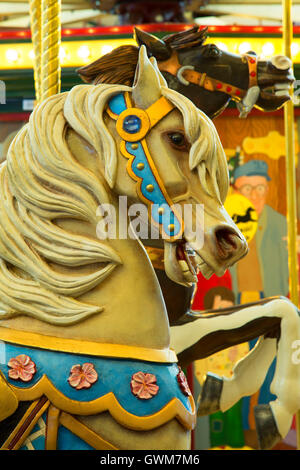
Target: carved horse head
174, 161
207, 75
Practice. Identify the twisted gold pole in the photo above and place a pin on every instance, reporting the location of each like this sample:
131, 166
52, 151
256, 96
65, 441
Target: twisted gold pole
50, 41
291, 176
35, 26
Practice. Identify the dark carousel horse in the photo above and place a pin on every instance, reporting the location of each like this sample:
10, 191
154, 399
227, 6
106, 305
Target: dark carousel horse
207, 75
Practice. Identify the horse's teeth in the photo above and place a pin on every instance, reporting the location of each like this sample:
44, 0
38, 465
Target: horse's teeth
282, 93
282, 86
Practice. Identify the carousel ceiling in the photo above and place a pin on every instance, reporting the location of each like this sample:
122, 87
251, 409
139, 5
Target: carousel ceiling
14, 14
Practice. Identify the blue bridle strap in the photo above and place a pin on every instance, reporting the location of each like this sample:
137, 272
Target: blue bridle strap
133, 124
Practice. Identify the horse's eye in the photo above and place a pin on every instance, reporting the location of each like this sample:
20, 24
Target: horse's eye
215, 52
178, 140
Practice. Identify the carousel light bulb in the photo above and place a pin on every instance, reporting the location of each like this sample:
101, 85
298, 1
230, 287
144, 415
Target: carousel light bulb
106, 49
12, 55
62, 54
244, 47
84, 52
268, 49
222, 46
31, 54
295, 48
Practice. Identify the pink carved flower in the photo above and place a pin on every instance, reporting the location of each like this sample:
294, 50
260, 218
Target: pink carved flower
143, 385
22, 367
183, 384
82, 376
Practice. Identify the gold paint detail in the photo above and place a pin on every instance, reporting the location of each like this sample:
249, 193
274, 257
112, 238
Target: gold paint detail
8, 401
76, 346
50, 50
86, 434
159, 110
36, 27
273, 145
108, 402
52, 428
150, 188
134, 147
140, 166
171, 227
291, 195
161, 210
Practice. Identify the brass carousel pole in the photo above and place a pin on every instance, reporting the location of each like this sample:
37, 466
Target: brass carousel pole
291, 176
50, 47
35, 26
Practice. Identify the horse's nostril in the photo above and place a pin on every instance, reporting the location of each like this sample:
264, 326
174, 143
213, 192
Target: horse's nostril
281, 62
226, 242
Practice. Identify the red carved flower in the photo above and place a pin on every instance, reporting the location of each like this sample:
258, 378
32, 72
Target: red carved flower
22, 367
82, 376
183, 384
144, 385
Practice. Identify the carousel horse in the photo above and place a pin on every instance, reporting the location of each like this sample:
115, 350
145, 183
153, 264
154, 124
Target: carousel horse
207, 75
273, 77
84, 330
85, 357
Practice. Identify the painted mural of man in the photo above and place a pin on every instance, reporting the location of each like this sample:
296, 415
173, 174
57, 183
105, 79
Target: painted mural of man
264, 271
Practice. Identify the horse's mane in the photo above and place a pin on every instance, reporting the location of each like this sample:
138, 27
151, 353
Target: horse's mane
42, 182
119, 65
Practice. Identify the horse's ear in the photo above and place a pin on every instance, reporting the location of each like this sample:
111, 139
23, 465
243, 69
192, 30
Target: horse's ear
162, 80
155, 47
147, 83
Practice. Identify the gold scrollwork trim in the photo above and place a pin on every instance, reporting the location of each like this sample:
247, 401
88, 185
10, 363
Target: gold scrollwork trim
108, 402
75, 346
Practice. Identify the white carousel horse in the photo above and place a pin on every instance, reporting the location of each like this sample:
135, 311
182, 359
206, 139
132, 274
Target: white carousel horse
83, 321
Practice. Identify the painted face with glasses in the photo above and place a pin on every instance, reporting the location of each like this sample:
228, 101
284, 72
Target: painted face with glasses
255, 188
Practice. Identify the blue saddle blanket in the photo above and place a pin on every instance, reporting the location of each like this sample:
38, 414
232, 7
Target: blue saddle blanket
114, 375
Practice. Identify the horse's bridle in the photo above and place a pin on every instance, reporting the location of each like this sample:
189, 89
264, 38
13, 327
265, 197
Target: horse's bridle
187, 74
133, 125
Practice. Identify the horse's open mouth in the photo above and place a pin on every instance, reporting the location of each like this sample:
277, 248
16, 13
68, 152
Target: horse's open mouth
183, 263
280, 91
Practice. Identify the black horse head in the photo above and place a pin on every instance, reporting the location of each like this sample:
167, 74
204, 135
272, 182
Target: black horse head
211, 77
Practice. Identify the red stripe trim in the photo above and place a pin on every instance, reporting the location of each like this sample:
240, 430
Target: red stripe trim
150, 28
27, 423
14, 117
